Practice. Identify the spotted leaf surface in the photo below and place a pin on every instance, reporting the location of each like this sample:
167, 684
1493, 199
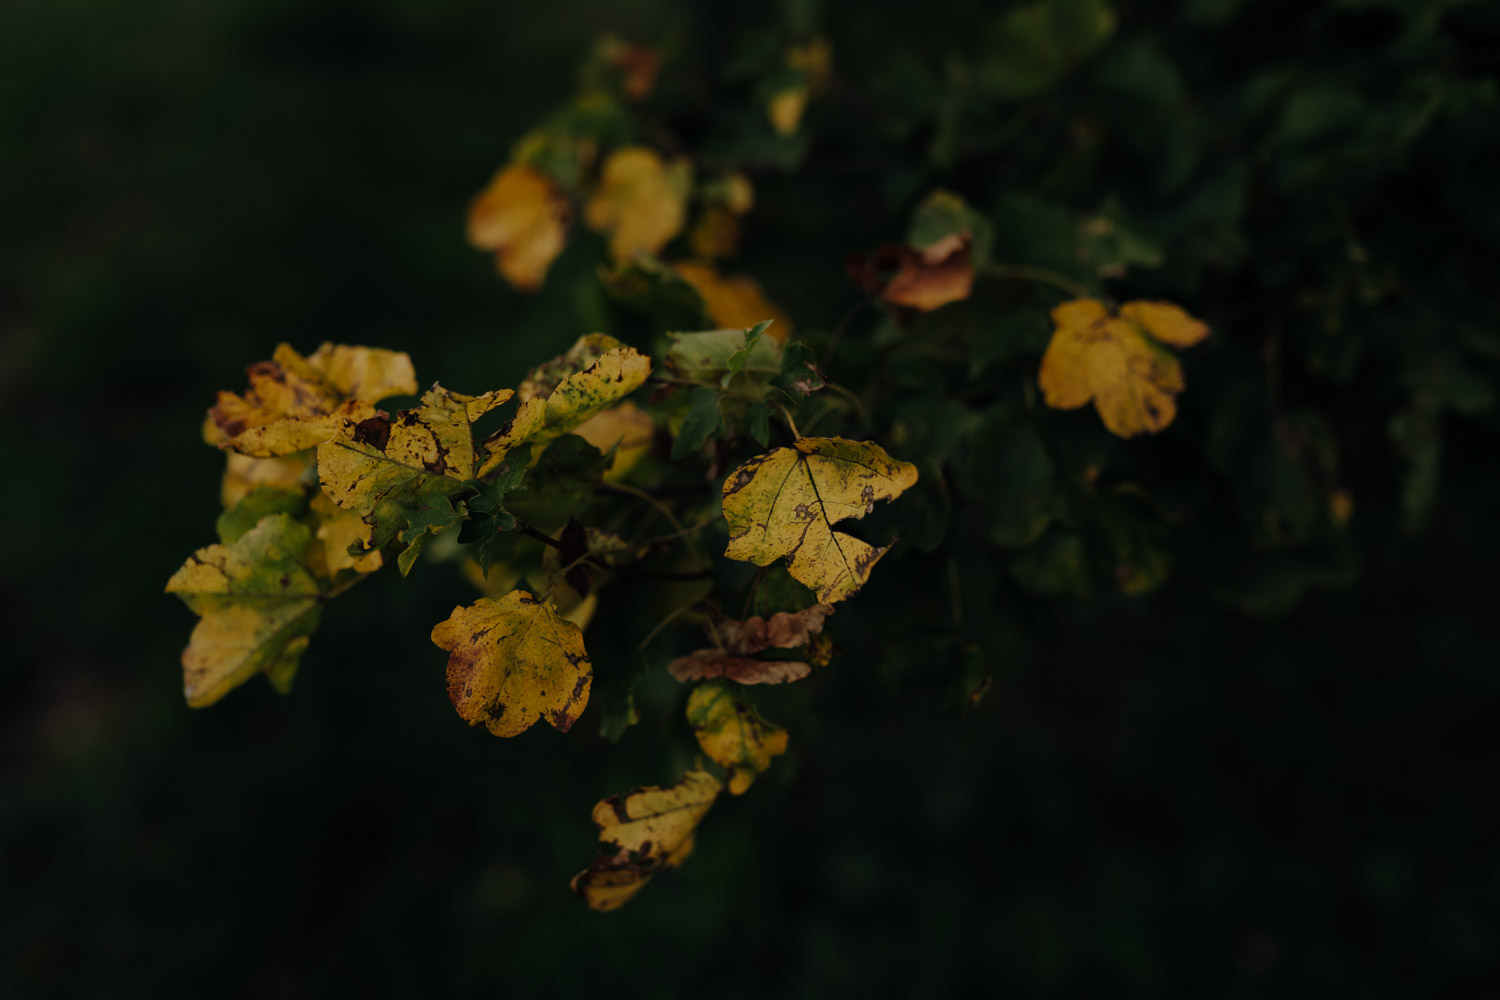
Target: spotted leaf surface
513, 660
784, 504
641, 834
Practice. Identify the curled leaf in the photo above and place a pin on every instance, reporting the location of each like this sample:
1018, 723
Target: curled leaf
641, 834
295, 403
737, 642
523, 216
258, 603
733, 733
783, 504
641, 202
1110, 360
512, 661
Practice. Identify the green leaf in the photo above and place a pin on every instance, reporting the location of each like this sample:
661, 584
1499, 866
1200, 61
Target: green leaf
758, 417
258, 503
562, 484
702, 422
488, 518
1032, 48
433, 513
799, 376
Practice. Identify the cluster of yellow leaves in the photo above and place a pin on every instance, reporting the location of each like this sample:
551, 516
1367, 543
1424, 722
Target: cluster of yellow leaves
341, 479
293, 402
784, 503
736, 643
1117, 361
641, 834
513, 660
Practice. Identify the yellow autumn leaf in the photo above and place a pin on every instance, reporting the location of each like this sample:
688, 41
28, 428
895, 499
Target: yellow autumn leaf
243, 474
512, 661
640, 201
1165, 322
380, 461
337, 529
783, 504
523, 216
733, 733
785, 109
551, 413
257, 602
642, 833
626, 428
734, 301
1112, 361
293, 402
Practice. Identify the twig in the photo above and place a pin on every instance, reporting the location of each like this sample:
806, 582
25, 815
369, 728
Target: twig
787, 416
1028, 272
540, 536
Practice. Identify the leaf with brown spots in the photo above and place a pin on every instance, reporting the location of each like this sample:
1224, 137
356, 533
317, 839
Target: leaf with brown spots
737, 642
523, 216
294, 403
641, 834
382, 467
733, 733
554, 404
258, 602
783, 504
1113, 361
512, 661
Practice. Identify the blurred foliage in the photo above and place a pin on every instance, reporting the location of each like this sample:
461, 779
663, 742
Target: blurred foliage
1210, 708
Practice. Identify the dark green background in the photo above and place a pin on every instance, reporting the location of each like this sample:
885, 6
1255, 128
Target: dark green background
1173, 799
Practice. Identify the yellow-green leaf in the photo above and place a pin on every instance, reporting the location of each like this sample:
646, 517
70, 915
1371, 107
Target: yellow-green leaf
642, 833
258, 602
378, 466
548, 415
733, 733
641, 202
293, 402
1110, 360
783, 504
512, 661
523, 216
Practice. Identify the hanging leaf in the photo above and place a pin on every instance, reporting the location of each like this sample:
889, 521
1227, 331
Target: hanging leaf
641, 834
258, 604
736, 643
514, 660
783, 504
733, 733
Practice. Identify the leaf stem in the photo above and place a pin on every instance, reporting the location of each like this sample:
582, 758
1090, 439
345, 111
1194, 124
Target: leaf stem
540, 536
787, 416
